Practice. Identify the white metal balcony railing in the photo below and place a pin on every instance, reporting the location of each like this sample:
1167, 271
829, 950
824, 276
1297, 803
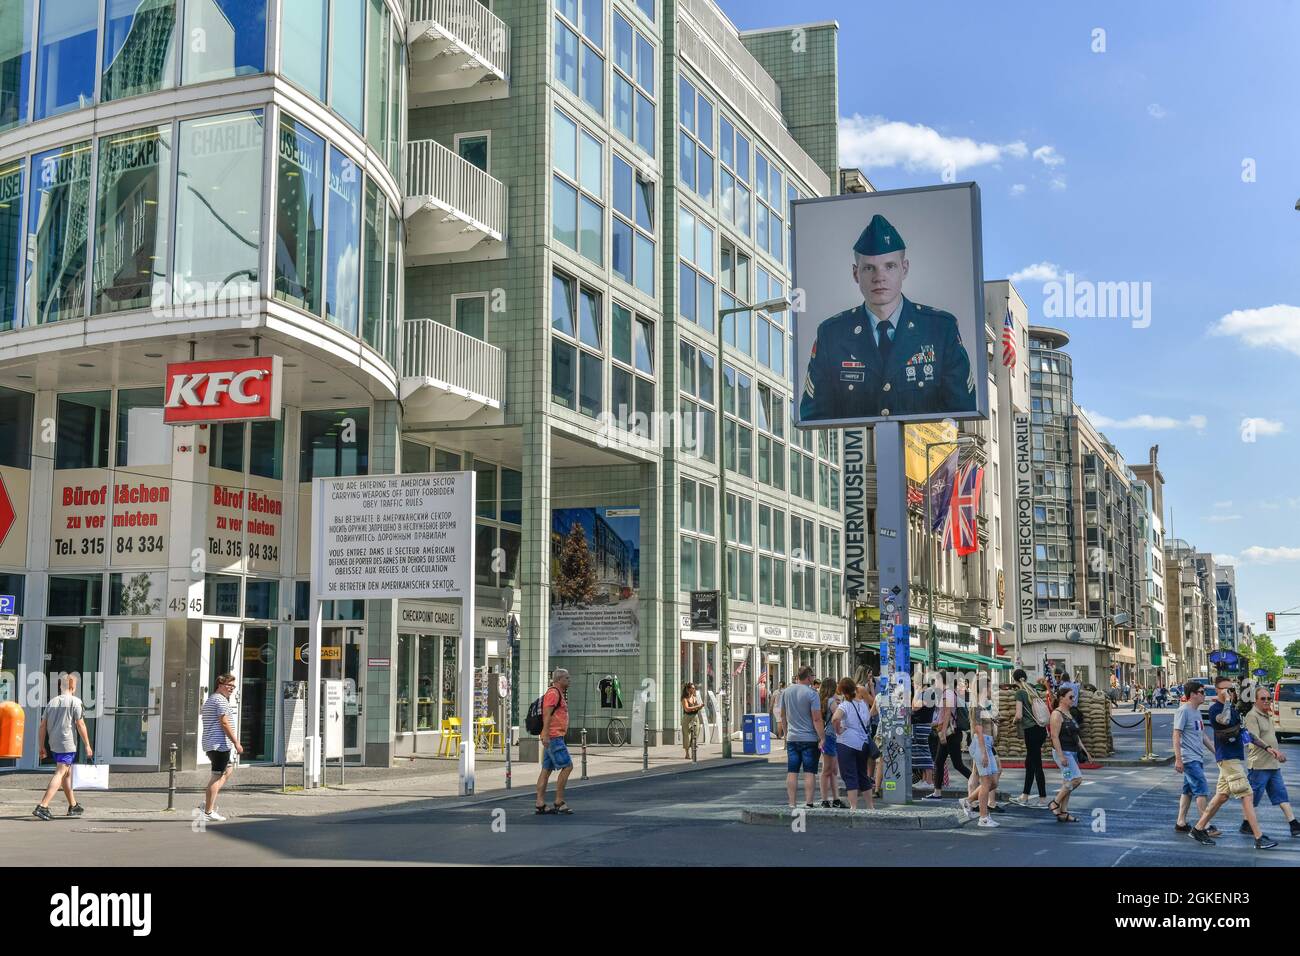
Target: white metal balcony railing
454, 363
467, 206
457, 46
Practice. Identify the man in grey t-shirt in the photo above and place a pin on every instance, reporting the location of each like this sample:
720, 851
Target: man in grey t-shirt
63, 721
1190, 744
804, 730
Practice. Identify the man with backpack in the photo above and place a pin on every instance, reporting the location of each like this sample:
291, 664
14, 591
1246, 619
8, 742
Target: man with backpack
548, 718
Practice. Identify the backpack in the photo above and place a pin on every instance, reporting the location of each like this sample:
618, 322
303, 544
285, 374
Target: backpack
963, 717
537, 713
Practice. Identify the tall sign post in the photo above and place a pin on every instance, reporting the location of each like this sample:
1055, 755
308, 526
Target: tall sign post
890, 331
389, 537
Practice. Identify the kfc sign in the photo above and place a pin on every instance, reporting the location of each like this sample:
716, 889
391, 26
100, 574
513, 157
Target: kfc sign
223, 391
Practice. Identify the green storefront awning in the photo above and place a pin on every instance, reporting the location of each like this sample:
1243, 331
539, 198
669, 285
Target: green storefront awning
964, 659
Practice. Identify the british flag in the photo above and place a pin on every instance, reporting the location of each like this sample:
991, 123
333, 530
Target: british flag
964, 513
1008, 341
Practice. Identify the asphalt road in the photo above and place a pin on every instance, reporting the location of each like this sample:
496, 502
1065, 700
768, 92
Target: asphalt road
1126, 819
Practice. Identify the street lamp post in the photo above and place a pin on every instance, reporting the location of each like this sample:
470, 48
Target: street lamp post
724, 628
932, 644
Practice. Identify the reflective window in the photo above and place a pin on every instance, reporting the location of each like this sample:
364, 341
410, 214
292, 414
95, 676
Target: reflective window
11, 242
224, 38
81, 430
377, 47
376, 229
299, 216
142, 438
303, 26
139, 47
131, 217
390, 293
343, 245
15, 428
15, 60
334, 443
57, 233
347, 53
471, 316
65, 63
474, 150
218, 208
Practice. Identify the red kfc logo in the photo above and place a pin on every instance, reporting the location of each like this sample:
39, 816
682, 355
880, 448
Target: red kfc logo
225, 390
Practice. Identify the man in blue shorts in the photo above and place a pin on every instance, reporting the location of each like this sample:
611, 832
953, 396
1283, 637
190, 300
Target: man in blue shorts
63, 721
555, 753
1190, 744
805, 732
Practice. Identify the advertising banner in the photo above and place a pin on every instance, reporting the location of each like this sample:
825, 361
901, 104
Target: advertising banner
223, 390
595, 579
890, 293
1024, 479
915, 440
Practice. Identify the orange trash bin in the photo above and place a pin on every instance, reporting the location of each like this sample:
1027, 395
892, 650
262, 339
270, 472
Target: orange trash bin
12, 719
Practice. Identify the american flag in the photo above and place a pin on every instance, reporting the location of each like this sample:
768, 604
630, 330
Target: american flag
1008, 341
964, 513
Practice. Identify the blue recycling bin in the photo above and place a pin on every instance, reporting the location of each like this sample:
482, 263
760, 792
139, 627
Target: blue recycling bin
757, 731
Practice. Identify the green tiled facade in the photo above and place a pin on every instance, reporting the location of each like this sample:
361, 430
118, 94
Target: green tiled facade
560, 451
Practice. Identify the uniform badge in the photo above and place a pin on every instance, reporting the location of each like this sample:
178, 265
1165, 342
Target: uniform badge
911, 373
853, 365
857, 330
929, 372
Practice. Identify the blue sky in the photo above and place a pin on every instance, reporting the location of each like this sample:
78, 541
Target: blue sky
1127, 165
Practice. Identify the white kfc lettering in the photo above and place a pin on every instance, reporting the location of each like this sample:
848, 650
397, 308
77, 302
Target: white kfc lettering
185, 388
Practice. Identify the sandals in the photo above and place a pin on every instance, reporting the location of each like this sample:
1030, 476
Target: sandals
1054, 807
1066, 818
543, 810
562, 808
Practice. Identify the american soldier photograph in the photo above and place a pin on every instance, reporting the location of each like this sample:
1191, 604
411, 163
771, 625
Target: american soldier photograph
891, 288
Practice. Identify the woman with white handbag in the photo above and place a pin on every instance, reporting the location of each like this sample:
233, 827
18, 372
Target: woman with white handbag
63, 720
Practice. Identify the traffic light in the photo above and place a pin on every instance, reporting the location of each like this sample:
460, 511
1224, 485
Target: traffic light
1271, 620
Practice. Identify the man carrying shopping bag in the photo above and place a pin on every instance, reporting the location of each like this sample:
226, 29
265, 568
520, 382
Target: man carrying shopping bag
63, 720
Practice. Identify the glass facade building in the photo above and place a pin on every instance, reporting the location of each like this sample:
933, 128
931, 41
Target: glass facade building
455, 277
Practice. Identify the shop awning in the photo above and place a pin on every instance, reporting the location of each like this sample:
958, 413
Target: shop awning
964, 659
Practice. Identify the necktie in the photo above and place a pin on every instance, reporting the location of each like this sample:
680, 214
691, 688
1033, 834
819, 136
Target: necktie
883, 340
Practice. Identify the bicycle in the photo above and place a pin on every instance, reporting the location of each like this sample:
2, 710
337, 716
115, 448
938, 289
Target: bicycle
616, 732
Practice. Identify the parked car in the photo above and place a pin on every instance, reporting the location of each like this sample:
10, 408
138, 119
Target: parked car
1286, 708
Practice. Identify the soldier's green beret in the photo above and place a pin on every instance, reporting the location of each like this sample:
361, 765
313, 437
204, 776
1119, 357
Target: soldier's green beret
879, 238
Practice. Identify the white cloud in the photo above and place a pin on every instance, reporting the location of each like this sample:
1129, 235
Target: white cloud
1038, 272
1219, 519
1275, 326
1058, 182
1048, 156
1156, 111
871, 142
1223, 504
1017, 189
1222, 559
1147, 422
1260, 555
1262, 426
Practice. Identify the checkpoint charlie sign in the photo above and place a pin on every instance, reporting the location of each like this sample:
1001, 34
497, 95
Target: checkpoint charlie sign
394, 536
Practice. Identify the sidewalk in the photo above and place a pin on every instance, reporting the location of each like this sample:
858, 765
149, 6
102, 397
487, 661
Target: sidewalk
255, 790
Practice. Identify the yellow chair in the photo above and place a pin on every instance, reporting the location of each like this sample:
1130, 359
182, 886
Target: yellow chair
450, 738
485, 731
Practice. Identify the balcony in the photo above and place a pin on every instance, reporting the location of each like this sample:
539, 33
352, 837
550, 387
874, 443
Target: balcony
460, 53
451, 377
455, 212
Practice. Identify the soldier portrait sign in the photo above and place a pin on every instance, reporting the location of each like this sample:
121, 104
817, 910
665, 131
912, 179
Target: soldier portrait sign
891, 307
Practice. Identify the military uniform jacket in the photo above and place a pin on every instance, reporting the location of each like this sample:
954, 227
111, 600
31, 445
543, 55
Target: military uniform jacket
929, 369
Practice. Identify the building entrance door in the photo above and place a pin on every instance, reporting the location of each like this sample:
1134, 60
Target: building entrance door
74, 649
131, 727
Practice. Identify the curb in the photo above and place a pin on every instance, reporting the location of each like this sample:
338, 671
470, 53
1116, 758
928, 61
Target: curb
899, 818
